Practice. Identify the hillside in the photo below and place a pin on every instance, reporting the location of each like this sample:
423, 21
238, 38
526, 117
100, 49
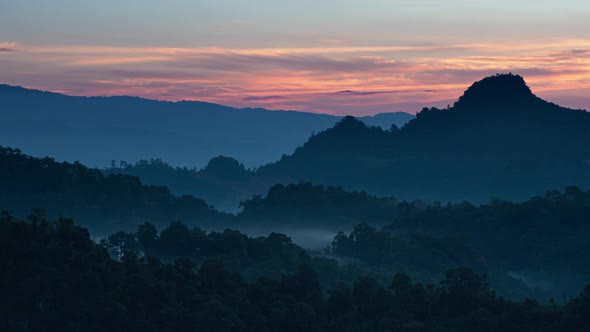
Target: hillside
223, 182
306, 205
102, 203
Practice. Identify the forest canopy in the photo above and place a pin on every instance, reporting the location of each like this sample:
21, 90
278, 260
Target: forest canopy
57, 278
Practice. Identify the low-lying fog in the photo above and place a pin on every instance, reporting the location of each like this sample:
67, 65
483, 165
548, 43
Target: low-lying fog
308, 238
313, 238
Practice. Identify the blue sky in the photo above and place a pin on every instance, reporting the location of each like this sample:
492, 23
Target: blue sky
242, 23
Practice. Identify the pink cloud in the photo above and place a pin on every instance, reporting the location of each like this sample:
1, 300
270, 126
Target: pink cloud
342, 80
7, 47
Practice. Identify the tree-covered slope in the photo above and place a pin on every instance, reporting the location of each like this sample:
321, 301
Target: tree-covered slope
96, 130
101, 202
498, 140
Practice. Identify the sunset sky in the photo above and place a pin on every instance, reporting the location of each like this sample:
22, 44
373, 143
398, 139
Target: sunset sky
329, 56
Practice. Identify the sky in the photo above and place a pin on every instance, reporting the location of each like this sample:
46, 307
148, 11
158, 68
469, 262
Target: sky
355, 57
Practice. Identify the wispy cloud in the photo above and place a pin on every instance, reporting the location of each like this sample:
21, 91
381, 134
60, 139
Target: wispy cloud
373, 93
263, 98
7, 47
361, 93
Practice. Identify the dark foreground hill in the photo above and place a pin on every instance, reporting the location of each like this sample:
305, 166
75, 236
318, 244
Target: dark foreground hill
96, 130
498, 140
56, 279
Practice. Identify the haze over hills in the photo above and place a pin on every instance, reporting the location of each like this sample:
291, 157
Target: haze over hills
498, 140
96, 130
525, 248
224, 182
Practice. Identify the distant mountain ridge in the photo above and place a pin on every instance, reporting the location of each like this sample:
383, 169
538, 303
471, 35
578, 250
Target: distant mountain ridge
498, 140
96, 130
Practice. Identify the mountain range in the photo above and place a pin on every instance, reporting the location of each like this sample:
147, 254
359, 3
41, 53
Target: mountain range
96, 130
498, 140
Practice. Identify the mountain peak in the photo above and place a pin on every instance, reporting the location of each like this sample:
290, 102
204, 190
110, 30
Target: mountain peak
226, 167
496, 92
349, 123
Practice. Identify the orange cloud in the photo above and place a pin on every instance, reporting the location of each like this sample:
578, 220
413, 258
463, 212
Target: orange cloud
383, 78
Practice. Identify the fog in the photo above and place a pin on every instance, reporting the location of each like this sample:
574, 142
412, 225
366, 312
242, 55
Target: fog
309, 237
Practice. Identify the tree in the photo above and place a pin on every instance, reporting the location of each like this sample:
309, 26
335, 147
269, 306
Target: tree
121, 243
147, 236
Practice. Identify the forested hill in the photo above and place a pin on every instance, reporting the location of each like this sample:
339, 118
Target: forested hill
224, 182
101, 202
498, 140
306, 205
